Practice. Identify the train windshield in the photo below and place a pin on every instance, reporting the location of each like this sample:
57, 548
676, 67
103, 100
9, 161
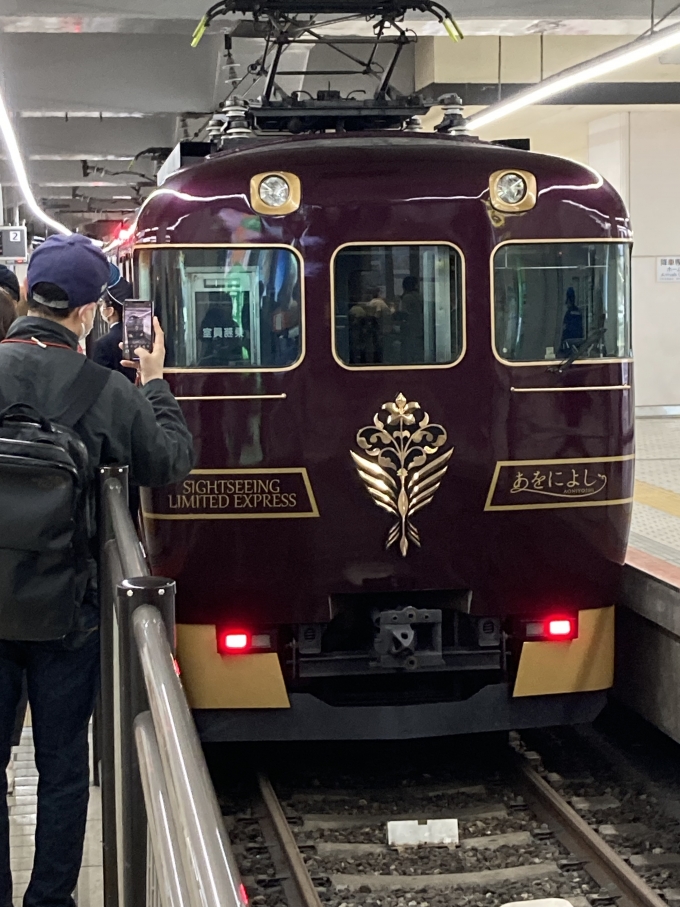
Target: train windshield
225, 308
561, 300
398, 305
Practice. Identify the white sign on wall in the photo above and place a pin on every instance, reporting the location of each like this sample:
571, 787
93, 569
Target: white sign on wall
13, 243
668, 269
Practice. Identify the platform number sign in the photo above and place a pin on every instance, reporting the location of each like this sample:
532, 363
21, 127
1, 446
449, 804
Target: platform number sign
13, 243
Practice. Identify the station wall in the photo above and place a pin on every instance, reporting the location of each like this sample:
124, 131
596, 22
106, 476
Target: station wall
634, 146
637, 152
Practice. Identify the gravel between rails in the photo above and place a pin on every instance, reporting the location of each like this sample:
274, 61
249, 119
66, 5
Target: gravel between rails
339, 820
637, 816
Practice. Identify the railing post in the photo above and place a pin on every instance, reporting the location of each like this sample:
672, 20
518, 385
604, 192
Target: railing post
109, 574
131, 594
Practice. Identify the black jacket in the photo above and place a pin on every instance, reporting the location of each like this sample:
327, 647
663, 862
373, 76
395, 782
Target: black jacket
108, 353
142, 427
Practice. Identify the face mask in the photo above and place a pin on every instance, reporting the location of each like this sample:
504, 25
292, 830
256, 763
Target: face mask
86, 328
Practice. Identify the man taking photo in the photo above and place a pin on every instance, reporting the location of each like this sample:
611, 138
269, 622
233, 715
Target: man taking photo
61, 417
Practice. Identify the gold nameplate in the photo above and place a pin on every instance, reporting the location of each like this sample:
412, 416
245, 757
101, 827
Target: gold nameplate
551, 484
235, 494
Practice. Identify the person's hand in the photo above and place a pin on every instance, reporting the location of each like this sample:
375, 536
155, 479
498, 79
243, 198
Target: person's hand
150, 365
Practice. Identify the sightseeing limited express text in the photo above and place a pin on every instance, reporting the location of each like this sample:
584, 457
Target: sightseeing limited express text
237, 494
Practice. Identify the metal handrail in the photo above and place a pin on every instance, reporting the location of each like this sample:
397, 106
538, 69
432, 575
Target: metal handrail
165, 838
129, 547
210, 868
165, 841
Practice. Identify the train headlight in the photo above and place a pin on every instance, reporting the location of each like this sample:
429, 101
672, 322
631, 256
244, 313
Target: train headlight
511, 188
277, 193
512, 191
274, 191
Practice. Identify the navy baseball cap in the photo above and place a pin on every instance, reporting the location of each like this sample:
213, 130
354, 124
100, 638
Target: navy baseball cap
74, 264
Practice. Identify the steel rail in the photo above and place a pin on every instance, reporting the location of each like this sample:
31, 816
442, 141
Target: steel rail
165, 842
209, 865
607, 867
307, 893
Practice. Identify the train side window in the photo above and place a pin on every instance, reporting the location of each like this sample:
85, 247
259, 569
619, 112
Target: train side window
398, 306
226, 308
552, 299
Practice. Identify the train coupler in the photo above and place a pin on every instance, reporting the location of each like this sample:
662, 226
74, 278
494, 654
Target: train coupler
410, 638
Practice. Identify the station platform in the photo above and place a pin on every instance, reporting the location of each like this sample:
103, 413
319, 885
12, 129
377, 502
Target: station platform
654, 544
22, 804
647, 672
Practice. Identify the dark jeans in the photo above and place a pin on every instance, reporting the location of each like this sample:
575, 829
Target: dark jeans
20, 715
63, 679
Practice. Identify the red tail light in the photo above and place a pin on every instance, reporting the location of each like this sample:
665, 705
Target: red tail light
234, 641
560, 628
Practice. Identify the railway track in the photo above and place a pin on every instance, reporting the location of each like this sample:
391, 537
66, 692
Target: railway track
520, 839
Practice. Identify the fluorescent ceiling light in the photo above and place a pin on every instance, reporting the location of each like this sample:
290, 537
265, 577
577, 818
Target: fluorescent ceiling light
81, 114
85, 156
652, 45
75, 183
20, 171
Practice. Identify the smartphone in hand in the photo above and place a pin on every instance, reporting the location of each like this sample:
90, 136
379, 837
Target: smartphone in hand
137, 327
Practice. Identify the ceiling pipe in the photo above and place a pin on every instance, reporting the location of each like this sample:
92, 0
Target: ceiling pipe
634, 52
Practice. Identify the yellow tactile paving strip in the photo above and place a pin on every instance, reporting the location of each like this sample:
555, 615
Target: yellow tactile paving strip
658, 498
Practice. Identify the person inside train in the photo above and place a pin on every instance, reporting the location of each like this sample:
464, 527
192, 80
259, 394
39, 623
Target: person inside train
107, 350
412, 325
285, 329
572, 324
117, 423
378, 307
365, 341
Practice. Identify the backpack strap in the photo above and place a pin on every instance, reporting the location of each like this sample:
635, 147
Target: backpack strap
83, 392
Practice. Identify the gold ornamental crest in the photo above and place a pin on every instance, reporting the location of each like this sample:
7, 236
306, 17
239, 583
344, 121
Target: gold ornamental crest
404, 466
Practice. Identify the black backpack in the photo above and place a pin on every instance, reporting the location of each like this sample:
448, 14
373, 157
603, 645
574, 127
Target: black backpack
46, 513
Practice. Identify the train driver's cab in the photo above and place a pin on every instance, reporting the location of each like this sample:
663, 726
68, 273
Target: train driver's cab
226, 308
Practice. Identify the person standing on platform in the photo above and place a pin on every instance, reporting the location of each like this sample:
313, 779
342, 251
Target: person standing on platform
107, 350
9, 299
42, 374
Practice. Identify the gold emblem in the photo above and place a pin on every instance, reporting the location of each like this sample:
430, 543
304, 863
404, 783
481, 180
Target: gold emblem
401, 475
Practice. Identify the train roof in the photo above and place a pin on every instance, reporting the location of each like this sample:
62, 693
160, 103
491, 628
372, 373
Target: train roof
359, 169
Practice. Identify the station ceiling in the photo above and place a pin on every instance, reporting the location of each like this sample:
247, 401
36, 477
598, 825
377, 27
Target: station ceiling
92, 83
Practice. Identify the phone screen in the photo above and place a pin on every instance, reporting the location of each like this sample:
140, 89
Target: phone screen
137, 327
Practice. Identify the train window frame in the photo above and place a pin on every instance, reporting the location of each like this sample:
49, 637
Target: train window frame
463, 304
187, 370
612, 241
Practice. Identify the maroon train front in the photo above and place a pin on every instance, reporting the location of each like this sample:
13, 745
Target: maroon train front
405, 360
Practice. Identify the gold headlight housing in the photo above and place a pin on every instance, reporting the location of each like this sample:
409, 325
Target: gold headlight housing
513, 190
276, 192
